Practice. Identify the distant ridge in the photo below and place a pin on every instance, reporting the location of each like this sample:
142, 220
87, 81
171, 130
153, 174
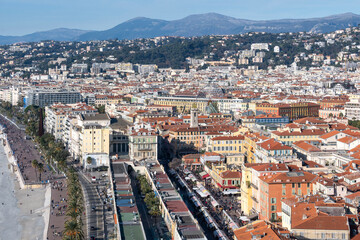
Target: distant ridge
193, 25
58, 34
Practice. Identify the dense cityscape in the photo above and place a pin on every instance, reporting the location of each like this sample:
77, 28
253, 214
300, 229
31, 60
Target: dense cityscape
247, 136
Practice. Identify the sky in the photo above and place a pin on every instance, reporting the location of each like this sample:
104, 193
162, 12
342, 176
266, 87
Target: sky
19, 17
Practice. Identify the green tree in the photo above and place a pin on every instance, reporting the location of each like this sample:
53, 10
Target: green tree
89, 160
101, 108
175, 163
155, 211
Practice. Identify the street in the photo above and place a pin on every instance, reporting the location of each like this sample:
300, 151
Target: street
94, 210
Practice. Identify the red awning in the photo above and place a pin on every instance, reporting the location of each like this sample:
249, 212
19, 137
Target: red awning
230, 187
205, 176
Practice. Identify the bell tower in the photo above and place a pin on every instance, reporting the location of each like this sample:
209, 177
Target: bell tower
194, 118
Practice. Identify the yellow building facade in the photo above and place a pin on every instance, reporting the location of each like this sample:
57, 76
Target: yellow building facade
289, 137
182, 104
95, 140
246, 190
249, 146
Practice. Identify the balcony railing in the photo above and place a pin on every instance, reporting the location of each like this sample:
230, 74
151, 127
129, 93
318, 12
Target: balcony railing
145, 149
254, 186
286, 212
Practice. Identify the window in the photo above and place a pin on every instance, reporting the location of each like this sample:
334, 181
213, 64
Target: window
293, 185
308, 184
283, 192
323, 235
299, 184
299, 192
273, 200
343, 236
273, 207
283, 185
293, 192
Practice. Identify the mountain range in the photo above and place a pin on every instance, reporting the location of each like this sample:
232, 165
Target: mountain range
193, 25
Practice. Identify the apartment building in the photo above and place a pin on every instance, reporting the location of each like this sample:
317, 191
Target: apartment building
315, 218
47, 97
106, 99
352, 108
12, 95
89, 134
226, 145
192, 162
56, 116
143, 144
289, 137
293, 110
222, 177
250, 145
185, 104
274, 188
272, 151
250, 193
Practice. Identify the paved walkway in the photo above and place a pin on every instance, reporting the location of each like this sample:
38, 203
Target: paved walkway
25, 152
57, 208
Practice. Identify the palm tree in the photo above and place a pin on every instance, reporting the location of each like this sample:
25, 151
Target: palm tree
73, 230
75, 206
72, 214
35, 165
62, 165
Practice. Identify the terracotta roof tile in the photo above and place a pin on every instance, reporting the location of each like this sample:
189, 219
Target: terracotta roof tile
329, 134
306, 146
347, 139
